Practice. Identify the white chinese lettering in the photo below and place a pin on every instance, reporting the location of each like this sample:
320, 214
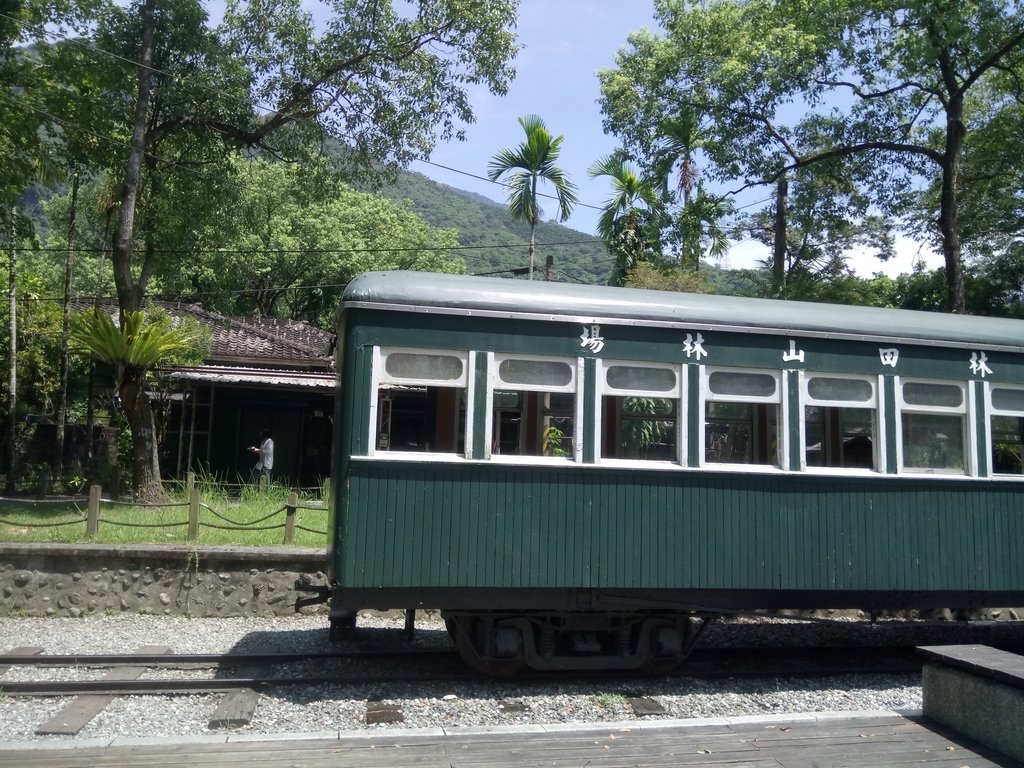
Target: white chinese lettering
979, 364
695, 347
591, 338
793, 353
889, 356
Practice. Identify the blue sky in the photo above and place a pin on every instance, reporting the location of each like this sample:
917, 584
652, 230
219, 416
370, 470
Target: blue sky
565, 43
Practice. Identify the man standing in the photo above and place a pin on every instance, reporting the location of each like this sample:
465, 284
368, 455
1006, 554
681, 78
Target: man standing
266, 454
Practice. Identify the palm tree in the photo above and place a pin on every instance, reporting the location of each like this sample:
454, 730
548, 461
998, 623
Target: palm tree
139, 343
524, 167
629, 221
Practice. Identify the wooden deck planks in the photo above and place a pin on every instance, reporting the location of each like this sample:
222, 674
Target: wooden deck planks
888, 743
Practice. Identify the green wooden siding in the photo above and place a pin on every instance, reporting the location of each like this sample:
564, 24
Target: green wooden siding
442, 525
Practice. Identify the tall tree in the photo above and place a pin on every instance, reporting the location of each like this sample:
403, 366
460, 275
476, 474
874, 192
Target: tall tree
381, 82
630, 219
881, 84
523, 168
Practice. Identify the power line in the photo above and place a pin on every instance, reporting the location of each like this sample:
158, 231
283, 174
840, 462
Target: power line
252, 103
381, 249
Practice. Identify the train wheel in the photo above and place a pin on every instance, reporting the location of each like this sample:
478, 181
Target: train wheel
467, 630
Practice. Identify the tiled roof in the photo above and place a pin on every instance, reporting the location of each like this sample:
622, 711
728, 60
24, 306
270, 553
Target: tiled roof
258, 341
222, 374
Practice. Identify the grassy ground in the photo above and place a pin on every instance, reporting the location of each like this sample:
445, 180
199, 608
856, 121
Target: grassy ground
249, 521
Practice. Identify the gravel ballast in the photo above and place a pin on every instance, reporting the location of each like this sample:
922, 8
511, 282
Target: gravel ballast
318, 709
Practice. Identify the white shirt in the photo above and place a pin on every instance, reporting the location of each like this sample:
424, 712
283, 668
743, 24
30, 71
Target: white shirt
266, 455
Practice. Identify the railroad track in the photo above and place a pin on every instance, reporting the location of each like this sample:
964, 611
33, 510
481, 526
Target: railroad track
241, 678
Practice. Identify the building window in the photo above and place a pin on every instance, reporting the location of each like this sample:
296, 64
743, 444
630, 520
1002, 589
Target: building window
533, 407
932, 419
1006, 406
840, 418
640, 412
421, 401
741, 417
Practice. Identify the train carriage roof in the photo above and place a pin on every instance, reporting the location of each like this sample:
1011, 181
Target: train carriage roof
496, 297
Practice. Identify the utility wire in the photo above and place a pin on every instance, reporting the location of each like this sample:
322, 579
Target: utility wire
249, 102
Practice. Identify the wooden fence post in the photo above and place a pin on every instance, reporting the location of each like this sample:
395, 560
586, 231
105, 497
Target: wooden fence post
193, 514
92, 520
289, 521
190, 483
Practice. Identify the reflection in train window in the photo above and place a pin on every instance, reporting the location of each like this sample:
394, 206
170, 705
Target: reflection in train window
533, 407
932, 419
640, 412
421, 401
839, 422
1007, 430
741, 417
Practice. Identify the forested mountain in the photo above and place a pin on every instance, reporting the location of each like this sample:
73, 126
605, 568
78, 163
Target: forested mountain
492, 240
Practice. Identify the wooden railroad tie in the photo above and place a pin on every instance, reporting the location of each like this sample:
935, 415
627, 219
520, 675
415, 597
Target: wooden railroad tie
645, 705
70, 720
377, 712
21, 650
236, 708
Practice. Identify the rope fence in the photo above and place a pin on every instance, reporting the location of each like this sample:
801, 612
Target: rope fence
95, 500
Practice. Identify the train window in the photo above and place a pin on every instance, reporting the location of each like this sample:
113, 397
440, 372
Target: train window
839, 422
742, 384
640, 413
421, 401
1007, 430
420, 366
533, 407
932, 421
536, 373
741, 417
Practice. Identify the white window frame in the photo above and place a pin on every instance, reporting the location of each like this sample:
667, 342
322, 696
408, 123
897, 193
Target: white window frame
877, 425
781, 425
965, 410
678, 393
494, 382
990, 411
379, 377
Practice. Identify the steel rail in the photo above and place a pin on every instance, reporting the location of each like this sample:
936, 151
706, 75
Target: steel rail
173, 660
143, 687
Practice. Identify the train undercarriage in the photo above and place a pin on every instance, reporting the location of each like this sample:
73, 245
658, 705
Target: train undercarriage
502, 644
649, 631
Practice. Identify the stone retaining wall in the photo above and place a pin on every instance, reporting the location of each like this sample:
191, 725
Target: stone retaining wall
82, 579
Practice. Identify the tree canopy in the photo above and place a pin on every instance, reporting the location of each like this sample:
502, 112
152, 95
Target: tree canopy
882, 94
162, 100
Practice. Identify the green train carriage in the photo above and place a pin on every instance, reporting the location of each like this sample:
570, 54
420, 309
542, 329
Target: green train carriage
580, 476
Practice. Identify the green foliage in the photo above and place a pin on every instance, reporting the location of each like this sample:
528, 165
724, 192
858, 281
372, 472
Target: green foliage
551, 442
528, 164
885, 94
142, 341
524, 168
631, 218
286, 240
661, 278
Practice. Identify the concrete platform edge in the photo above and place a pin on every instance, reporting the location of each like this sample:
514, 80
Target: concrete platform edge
404, 733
